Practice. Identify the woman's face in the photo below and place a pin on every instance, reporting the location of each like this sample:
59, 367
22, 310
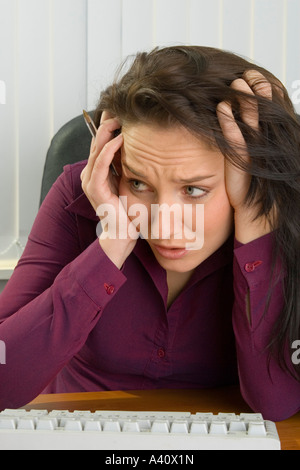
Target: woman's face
177, 182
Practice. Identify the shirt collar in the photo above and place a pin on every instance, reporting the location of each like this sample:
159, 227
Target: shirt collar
158, 274
221, 258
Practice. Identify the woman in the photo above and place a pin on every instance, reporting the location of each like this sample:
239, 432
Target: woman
199, 128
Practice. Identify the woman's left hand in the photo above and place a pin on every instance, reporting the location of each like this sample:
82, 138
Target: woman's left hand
238, 181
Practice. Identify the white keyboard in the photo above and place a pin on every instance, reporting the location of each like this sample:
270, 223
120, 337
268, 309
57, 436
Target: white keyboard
124, 430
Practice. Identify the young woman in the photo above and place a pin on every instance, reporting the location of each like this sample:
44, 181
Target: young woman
144, 305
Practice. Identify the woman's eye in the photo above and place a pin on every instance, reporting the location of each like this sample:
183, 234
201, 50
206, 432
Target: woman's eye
192, 191
138, 185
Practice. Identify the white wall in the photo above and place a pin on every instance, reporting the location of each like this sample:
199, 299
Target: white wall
56, 56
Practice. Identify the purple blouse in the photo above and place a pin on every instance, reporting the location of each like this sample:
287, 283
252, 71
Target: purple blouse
73, 322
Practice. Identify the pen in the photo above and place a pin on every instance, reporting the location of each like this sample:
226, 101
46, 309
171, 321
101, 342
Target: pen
93, 130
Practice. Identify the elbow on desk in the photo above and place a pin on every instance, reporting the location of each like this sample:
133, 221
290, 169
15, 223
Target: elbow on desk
272, 407
11, 402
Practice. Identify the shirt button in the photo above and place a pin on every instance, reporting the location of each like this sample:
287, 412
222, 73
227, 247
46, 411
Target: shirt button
250, 267
161, 353
109, 289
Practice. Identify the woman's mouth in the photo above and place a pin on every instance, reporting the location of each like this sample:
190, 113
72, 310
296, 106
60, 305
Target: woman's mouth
170, 253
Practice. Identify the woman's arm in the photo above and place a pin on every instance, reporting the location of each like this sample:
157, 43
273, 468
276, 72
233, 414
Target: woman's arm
248, 227
265, 386
56, 294
53, 300
58, 290
101, 187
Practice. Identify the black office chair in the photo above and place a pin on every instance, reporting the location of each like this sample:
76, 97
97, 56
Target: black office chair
71, 144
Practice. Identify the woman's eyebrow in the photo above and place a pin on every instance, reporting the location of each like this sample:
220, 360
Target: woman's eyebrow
193, 179
133, 171
180, 180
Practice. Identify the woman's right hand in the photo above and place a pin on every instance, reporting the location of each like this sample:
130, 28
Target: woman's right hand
102, 189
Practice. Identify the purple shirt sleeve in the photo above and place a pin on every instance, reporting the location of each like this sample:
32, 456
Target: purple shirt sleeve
264, 385
61, 294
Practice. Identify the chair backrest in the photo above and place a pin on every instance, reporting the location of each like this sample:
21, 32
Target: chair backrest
71, 144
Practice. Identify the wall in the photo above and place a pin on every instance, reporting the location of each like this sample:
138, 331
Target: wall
56, 56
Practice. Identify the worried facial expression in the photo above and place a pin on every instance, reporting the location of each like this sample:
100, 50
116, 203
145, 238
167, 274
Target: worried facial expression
171, 168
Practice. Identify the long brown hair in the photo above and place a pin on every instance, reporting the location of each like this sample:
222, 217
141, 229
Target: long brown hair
183, 85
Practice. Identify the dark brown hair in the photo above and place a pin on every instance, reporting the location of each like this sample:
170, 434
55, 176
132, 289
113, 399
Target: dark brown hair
183, 85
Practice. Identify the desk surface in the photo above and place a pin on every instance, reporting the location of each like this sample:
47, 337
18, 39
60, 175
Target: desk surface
226, 400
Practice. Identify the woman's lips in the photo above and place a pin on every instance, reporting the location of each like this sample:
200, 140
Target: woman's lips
171, 253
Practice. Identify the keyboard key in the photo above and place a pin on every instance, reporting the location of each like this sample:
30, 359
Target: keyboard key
82, 414
92, 425
144, 425
111, 426
73, 425
131, 426
256, 429
160, 426
251, 417
179, 427
226, 416
237, 426
46, 424
218, 427
199, 427
61, 416
204, 416
26, 423
14, 413
37, 413
7, 422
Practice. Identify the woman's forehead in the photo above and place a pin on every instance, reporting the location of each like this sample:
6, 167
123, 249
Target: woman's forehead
173, 144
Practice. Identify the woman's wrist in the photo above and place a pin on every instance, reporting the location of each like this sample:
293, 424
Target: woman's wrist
248, 227
117, 250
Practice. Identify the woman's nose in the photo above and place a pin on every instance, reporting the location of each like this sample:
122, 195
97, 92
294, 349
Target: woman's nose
166, 220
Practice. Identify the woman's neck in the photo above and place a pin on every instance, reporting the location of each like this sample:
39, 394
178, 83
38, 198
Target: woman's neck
176, 282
